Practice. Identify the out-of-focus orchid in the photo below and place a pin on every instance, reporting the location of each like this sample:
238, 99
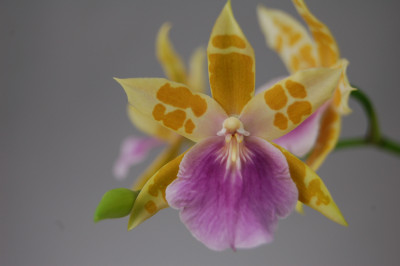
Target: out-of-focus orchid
320, 132
135, 149
233, 185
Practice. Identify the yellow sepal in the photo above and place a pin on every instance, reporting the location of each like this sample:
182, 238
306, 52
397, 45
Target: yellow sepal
151, 198
312, 190
231, 63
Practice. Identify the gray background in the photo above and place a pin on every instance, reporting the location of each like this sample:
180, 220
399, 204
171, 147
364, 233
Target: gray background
62, 118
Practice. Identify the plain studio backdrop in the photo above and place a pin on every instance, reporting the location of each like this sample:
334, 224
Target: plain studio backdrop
62, 119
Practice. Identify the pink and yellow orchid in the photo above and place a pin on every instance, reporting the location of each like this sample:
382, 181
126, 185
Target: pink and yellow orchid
233, 185
135, 149
285, 35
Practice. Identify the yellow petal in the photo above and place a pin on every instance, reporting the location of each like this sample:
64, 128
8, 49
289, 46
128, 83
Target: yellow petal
327, 138
147, 124
151, 198
171, 62
173, 105
342, 93
288, 38
231, 63
197, 75
281, 108
328, 50
312, 191
167, 155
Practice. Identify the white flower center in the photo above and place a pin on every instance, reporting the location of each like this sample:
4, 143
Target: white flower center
234, 152
232, 126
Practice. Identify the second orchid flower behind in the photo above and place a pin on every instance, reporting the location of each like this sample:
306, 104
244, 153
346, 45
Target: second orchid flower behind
318, 134
233, 185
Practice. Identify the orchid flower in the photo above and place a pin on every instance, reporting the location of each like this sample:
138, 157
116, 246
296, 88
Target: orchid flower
233, 185
135, 149
298, 51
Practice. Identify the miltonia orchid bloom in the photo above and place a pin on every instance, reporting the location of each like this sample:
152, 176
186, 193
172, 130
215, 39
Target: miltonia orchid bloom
135, 149
233, 184
299, 51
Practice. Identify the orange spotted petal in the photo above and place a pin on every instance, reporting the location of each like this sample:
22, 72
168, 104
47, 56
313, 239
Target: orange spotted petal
192, 115
327, 48
147, 124
231, 64
327, 138
312, 191
151, 198
288, 38
283, 107
171, 62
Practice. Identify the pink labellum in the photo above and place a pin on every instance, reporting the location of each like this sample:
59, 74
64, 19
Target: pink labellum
231, 191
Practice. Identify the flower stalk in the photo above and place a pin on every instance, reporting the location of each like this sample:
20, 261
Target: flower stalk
373, 135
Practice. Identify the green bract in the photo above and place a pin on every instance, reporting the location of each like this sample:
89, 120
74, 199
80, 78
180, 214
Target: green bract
116, 203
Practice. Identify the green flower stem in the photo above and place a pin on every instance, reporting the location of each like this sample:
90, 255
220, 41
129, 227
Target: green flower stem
352, 142
373, 133
389, 145
373, 136
383, 143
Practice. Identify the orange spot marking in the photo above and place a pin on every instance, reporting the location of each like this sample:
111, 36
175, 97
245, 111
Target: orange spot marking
226, 41
280, 121
304, 58
337, 97
314, 190
322, 37
173, 120
189, 126
325, 48
298, 173
311, 21
297, 2
294, 38
231, 80
288, 32
275, 97
279, 43
295, 89
328, 55
295, 63
150, 207
284, 28
153, 190
297, 110
163, 179
158, 112
182, 97
306, 55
